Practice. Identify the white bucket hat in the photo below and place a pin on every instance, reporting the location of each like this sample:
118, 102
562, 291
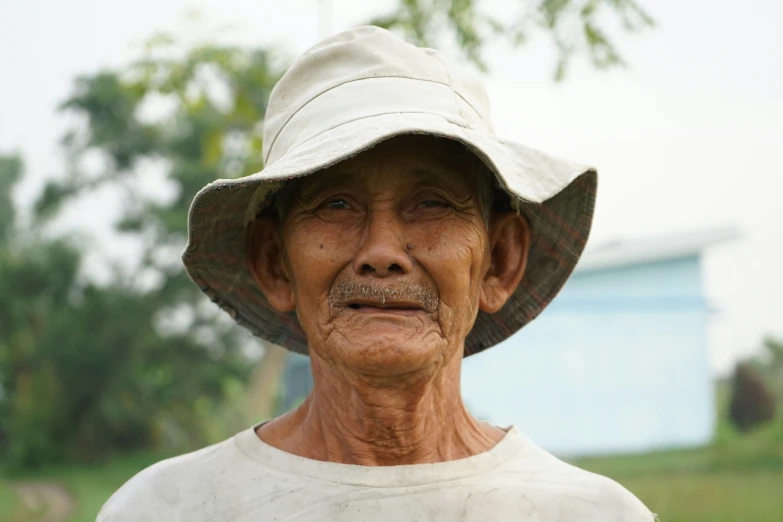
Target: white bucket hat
342, 97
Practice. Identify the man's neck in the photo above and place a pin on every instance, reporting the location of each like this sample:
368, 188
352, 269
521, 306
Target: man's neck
412, 419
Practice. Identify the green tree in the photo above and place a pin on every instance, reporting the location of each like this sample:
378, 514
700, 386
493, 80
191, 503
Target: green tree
83, 370
210, 102
10, 173
752, 403
774, 364
574, 27
769, 364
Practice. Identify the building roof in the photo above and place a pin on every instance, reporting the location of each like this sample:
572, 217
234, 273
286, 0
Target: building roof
649, 249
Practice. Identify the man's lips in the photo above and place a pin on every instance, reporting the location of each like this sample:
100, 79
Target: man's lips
397, 307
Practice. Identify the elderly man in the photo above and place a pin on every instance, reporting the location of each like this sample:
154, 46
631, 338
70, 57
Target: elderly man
390, 235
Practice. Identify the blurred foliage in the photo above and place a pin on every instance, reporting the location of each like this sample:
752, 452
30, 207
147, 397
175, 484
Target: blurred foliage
770, 364
752, 403
210, 102
574, 26
83, 372
89, 369
10, 173
757, 388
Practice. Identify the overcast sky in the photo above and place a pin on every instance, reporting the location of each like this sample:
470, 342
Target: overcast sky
688, 137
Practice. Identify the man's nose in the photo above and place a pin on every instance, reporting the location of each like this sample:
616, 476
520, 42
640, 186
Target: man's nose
383, 251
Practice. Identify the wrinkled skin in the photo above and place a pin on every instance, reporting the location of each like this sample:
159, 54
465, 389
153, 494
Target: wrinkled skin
387, 258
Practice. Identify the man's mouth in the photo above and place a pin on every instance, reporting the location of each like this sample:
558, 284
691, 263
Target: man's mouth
384, 307
400, 298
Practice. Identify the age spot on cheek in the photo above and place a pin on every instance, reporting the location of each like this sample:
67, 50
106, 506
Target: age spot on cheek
321, 247
409, 246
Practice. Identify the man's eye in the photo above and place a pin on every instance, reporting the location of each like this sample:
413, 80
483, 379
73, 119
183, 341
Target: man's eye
336, 204
433, 203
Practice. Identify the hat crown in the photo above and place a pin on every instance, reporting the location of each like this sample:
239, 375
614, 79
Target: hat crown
365, 72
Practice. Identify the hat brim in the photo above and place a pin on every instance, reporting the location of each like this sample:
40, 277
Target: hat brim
556, 195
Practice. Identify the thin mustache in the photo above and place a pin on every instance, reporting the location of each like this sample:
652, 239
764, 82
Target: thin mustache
346, 291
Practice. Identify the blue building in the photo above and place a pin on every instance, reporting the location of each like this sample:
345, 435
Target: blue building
617, 363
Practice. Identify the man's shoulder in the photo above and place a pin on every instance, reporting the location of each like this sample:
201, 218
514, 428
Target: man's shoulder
573, 493
160, 491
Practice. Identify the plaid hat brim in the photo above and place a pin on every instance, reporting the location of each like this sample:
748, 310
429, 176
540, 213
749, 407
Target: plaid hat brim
556, 195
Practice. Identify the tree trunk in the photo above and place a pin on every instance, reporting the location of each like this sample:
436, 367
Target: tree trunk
265, 382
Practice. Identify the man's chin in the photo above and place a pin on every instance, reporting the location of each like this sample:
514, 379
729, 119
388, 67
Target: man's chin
388, 350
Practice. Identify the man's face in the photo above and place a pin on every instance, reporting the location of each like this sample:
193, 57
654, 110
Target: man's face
385, 255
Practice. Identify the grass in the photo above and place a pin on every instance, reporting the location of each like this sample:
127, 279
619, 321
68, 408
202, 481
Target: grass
719, 497
10, 504
91, 486
737, 478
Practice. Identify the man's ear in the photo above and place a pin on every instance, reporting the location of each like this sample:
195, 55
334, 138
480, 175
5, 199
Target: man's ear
509, 242
266, 260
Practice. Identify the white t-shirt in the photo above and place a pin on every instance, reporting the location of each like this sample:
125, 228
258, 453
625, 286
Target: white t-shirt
244, 479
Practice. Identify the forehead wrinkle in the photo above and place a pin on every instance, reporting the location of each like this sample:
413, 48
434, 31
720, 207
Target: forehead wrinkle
447, 179
316, 183
451, 180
